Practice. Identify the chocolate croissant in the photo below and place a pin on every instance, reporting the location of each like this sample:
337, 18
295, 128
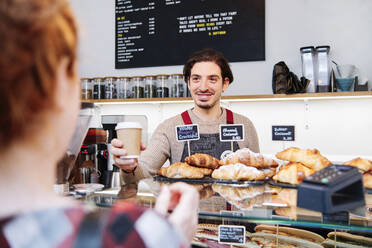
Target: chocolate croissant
203, 160
183, 170
310, 158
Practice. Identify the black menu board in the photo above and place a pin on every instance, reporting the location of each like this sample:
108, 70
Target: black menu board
167, 32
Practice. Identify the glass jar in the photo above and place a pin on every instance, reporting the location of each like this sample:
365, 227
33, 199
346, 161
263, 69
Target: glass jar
98, 88
178, 85
116, 82
86, 89
109, 88
137, 86
123, 87
150, 87
162, 89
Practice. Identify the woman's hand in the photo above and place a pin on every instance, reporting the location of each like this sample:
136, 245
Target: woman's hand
183, 199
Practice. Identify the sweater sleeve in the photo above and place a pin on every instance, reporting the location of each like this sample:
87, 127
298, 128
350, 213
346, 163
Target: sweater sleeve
129, 225
151, 159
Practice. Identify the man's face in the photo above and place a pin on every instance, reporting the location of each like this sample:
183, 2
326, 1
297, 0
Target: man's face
206, 84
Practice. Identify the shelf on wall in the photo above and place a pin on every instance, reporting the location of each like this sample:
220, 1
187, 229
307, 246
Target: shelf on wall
247, 98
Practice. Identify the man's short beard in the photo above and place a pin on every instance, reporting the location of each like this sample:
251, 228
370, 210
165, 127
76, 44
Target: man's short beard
208, 106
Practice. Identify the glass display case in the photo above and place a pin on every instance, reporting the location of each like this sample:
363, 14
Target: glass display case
254, 206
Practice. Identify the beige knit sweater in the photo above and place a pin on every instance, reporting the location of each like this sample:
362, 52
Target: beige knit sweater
163, 144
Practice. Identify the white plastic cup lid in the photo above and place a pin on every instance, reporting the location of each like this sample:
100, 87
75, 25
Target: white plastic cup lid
124, 125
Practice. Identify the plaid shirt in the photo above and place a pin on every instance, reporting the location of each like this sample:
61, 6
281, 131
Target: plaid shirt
124, 225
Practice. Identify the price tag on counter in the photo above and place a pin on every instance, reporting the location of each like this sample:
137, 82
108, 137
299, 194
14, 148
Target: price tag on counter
187, 132
283, 133
231, 235
233, 132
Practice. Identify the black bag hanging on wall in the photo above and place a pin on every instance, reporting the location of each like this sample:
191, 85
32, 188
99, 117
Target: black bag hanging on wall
286, 82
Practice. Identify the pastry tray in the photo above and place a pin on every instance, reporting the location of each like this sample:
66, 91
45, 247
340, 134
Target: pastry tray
282, 185
209, 180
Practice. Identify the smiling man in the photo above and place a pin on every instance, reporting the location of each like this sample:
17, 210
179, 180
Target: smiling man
208, 75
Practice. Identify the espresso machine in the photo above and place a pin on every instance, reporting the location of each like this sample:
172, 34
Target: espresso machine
95, 164
94, 153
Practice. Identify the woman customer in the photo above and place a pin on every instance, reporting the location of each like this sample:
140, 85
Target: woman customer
39, 104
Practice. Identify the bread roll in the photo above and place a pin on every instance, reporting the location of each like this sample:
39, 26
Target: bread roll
348, 240
292, 232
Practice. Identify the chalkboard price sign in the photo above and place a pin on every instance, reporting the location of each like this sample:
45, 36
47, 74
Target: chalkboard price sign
283, 133
231, 234
232, 132
187, 132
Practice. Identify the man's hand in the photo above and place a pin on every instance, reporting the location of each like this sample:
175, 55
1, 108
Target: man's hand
183, 199
118, 151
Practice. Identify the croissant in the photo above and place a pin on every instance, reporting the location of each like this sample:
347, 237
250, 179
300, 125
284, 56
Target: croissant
249, 158
367, 180
293, 173
238, 193
360, 163
310, 158
203, 160
238, 172
183, 170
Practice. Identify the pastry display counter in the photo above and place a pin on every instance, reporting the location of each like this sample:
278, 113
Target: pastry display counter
249, 206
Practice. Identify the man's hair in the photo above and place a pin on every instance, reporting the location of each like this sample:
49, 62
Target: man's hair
35, 36
208, 55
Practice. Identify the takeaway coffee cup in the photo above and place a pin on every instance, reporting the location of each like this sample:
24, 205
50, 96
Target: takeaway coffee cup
130, 134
